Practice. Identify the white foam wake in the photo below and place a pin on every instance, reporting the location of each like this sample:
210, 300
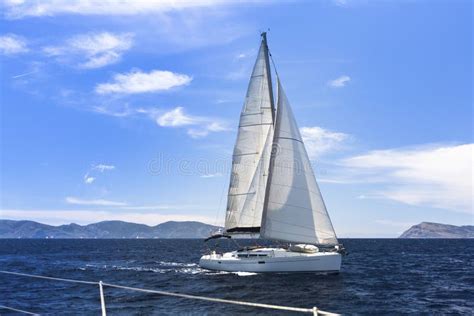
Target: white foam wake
166, 267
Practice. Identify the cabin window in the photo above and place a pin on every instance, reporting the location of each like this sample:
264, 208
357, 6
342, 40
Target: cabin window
252, 255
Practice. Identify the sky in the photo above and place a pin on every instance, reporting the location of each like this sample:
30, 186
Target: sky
129, 110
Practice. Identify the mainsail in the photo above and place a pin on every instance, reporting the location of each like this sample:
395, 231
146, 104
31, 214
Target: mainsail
251, 152
294, 209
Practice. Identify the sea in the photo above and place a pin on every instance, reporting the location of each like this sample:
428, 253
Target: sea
378, 277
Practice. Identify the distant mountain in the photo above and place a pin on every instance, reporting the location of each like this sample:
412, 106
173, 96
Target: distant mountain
107, 229
435, 230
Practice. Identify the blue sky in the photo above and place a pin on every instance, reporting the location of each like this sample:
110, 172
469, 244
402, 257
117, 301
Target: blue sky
130, 111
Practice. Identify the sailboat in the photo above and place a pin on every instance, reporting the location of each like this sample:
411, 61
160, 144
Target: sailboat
273, 190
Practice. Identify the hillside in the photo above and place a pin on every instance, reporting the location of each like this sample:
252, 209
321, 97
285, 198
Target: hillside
106, 229
436, 230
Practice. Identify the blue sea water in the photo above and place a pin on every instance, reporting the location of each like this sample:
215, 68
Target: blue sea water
379, 276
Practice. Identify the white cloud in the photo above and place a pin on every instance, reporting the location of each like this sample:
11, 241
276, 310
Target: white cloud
102, 60
158, 207
212, 175
137, 81
216, 126
176, 117
95, 50
116, 111
98, 202
21, 9
206, 128
197, 133
59, 217
196, 126
11, 44
434, 176
350, 3
242, 72
319, 141
103, 167
340, 3
88, 179
164, 26
24, 74
391, 223
340, 82
201, 126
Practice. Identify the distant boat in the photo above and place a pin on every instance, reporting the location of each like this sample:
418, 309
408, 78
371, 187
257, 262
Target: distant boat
273, 191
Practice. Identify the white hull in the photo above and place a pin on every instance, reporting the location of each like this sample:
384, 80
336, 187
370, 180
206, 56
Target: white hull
272, 260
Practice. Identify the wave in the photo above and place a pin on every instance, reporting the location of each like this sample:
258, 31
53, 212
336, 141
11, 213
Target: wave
243, 274
167, 267
177, 264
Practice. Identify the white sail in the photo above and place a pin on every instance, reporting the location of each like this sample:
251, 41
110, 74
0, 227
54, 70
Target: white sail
294, 209
253, 205
250, 159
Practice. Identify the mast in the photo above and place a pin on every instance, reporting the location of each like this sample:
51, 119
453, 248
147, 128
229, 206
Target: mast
269, 73
273, 149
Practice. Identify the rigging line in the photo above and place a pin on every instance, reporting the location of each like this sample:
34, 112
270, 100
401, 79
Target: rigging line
269, 74
273, 63
211, 299
256, 124
290, 138
236, 194
252, 113
244, 165
245, 154
17, 310
181, 295
250, 131
220, 204
49, 278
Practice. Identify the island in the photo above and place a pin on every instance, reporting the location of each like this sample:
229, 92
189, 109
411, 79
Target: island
436, 230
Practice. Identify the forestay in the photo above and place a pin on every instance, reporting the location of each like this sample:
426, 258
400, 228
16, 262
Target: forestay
251, 154
295, 210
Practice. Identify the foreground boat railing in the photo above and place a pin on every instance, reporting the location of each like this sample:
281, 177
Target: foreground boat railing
101, 285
